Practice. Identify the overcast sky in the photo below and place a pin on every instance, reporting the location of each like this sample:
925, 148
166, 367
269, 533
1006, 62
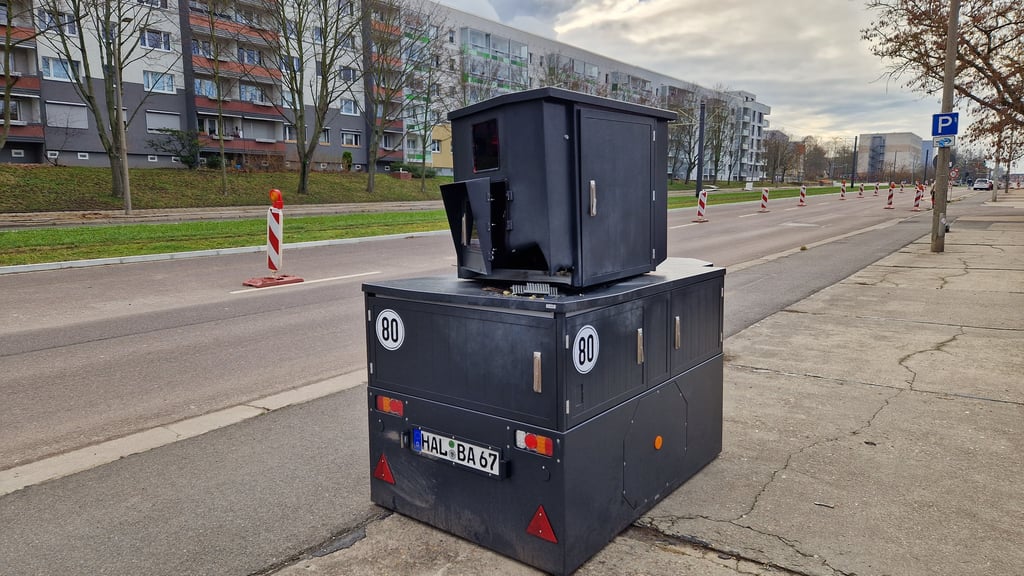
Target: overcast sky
804, 58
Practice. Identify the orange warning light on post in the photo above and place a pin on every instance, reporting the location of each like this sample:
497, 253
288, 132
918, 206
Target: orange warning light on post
276, 199
658, 441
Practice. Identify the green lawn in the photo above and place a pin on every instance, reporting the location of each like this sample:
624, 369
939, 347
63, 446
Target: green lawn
33, 189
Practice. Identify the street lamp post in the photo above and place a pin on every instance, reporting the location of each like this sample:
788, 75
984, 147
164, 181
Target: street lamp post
120, 120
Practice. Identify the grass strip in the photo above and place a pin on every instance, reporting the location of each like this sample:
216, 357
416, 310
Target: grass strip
42, 245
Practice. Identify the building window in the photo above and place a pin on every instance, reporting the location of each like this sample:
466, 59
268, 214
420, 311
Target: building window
346, 7
325, 136
387, 142
155, 39
250, 56
152, 158
251, 93
206, 87
154, 3
59, 69
291, 29
435, 146
157, 121
451, 36
61, 115
291, 64
349, 107
349, 74
15, 110
50, 21
158, 82
289, 133
350, 139
202, 48
83, 155
209, 125
348, 41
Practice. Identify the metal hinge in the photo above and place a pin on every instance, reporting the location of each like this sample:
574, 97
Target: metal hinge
653, 193
368, 318
653, 255
566, 406
654, 136
371, 367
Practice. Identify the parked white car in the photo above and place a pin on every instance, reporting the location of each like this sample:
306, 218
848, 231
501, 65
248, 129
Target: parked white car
982, 184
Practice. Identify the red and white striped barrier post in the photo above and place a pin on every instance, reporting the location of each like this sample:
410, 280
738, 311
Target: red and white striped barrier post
275, 231
842, 191
702, 204
917, 198
275, 246
892, 190
764, 200
876, 189
803, 196
860, 191
901, 187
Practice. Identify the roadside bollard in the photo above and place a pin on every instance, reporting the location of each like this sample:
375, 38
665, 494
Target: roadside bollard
275, 246
860, 191
876, 189
842, 191
901, 187
764, 200
917, 198
803, 196
702, 203
892, 189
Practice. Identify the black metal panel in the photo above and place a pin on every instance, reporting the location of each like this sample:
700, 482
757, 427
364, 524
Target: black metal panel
547, 145
616, 196
610, 338
698, 312
465, 356
602, 475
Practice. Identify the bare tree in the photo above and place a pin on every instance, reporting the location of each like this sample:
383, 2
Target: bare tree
394, 33
815, 158
209, 54
719, 133
313, 49
910, 36
427, 93
76, 30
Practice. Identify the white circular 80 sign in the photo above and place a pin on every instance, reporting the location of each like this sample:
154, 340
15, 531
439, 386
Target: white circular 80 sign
390, 329
585, 349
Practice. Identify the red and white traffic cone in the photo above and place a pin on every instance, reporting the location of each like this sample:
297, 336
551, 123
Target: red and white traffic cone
860, 191
917, 198
876, 189
892, 189
702, 204
842, 191
275, 246
803, 196
764, 200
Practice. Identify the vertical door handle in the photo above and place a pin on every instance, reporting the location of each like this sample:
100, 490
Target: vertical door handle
537, 374
639, 345
679, 335
593, 198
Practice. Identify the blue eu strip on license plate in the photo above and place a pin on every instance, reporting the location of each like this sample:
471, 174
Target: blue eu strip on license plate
453, 450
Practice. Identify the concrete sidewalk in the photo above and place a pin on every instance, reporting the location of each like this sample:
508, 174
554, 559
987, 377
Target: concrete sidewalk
875, 428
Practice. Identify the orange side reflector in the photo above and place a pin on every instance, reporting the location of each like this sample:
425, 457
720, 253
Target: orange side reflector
383, 471
541, 527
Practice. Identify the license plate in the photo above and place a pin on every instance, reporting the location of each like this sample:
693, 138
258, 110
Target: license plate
463, 453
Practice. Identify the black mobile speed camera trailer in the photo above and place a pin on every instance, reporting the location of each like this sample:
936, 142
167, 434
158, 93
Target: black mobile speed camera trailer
564, 383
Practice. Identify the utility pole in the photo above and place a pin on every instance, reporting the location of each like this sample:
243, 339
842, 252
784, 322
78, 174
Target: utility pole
942, 156
700, 147
853, 170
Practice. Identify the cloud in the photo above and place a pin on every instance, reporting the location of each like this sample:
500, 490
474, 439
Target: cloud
804, 58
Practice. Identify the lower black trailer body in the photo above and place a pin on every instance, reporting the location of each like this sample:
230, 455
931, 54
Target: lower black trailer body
541, 427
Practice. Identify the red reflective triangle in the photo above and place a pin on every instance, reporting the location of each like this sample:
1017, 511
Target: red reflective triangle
383, 471
540, 527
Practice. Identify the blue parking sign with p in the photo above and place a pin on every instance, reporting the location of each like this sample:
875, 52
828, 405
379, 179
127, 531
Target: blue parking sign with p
945, 124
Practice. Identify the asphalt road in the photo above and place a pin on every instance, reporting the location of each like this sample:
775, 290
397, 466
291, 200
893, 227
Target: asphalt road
91, 354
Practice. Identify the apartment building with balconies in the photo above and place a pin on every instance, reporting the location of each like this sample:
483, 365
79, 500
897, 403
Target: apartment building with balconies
215, 66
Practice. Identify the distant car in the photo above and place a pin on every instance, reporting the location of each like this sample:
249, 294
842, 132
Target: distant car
982, 184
